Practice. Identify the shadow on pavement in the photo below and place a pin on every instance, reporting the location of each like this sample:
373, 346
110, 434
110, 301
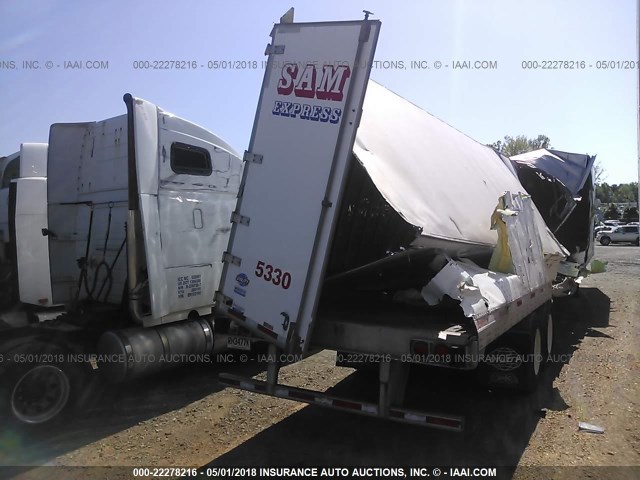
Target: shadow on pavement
111, 409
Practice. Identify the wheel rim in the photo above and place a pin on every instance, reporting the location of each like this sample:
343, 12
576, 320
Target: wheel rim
40, 394
549, 334
537, 352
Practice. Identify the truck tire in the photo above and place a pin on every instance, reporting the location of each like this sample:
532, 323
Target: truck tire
605, 241
514, 361
531, 369
41, 387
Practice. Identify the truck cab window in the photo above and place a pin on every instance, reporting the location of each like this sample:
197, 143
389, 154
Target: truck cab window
190, 160
12, 171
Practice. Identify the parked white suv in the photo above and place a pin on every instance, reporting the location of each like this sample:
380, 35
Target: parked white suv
623, 233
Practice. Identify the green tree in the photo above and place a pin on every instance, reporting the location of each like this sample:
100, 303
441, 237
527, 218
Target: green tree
612, 213
617, 193
630, 214
511, 146
603, 193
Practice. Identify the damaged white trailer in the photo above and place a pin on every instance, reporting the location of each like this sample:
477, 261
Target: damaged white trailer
561, 185
402, 247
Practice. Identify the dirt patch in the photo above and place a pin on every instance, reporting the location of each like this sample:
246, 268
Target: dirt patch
188, 419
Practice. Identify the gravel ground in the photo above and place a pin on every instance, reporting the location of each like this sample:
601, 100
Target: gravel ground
188, 419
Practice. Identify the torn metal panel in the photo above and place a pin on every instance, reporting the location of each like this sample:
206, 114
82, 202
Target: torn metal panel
561, 184
553, 199
572, 169
524, 241
577, 234
519, 256
478, 290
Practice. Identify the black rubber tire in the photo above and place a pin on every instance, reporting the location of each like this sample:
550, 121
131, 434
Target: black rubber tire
41, 387
605, 241
518, 357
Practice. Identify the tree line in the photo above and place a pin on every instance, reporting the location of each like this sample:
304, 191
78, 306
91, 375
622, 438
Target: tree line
607, 194
617, 193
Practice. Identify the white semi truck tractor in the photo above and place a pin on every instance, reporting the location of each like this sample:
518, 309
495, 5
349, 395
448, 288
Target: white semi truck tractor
137, 216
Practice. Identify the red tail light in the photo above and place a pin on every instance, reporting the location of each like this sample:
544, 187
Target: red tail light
420, 348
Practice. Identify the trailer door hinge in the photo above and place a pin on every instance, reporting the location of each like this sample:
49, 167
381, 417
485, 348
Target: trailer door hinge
286, 320
274, 49
241, 219
252, 157
232, 259
326, 203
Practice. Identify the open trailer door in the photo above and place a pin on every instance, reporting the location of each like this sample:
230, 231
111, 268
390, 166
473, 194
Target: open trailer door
308, 113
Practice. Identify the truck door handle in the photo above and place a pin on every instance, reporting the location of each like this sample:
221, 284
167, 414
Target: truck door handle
197, 218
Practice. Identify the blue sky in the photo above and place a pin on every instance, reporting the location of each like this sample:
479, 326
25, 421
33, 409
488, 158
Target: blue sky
586, 110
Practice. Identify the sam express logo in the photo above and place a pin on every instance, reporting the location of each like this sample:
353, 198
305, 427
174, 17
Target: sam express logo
323, 83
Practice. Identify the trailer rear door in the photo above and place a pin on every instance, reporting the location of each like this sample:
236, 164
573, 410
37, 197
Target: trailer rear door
308, 113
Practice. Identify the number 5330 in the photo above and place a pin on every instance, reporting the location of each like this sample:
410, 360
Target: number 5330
274, 275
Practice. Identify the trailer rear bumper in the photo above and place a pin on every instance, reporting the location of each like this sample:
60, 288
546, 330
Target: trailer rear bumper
426, 419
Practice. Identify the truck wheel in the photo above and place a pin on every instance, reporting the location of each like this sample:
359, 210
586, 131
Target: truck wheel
637, 242
605, 241
514, 361
42, 391
533, 359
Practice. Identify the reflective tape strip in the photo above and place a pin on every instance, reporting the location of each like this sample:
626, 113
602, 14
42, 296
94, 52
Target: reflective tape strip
323, 402
347, 404
433, 420
371, 409
265, 330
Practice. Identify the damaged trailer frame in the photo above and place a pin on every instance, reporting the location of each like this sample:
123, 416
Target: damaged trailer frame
493, 303
562, 187
478, 286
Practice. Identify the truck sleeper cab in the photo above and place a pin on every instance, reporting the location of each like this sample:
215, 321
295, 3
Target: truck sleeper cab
138, 210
